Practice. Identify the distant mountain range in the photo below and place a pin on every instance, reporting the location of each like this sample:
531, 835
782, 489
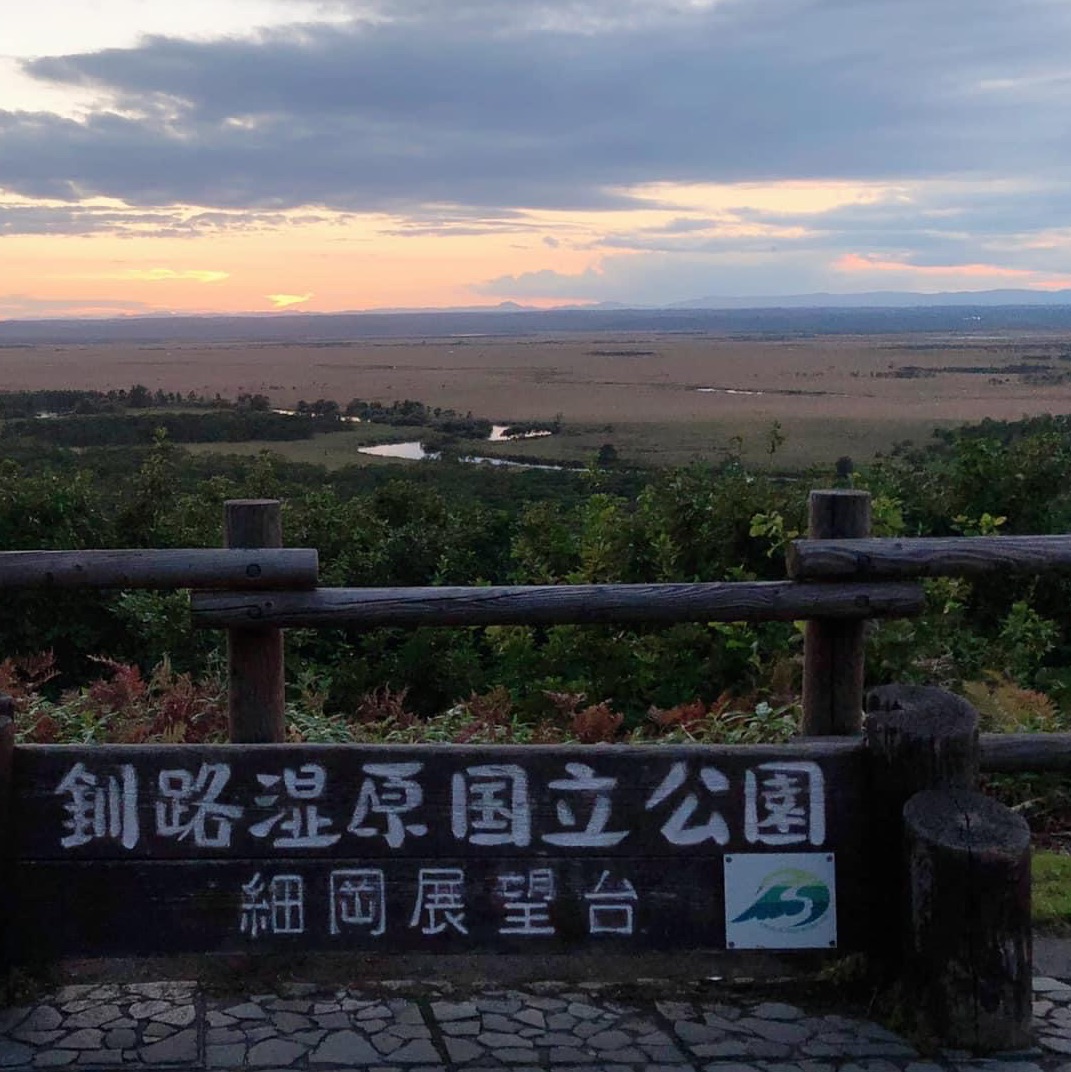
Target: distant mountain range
881, 299
874, 313
870, 299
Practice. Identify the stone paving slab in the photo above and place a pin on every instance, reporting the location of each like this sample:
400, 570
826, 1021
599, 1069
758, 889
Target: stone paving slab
560, 1027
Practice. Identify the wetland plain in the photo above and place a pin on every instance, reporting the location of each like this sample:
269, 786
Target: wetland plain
659, 398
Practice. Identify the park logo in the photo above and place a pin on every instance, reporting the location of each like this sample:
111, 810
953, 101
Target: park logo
780, 901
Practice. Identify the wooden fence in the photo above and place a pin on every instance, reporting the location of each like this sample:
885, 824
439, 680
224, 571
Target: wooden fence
139, 849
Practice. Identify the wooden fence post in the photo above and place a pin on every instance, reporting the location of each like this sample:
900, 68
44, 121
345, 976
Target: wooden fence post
833, 652
254, 655
7, 755
917, 738
969, 957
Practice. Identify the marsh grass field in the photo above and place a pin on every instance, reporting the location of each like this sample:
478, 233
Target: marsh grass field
660, 399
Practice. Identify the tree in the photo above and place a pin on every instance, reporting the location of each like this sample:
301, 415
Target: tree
607, 456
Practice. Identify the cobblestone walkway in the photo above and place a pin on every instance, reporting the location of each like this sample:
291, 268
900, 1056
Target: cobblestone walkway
546, 1026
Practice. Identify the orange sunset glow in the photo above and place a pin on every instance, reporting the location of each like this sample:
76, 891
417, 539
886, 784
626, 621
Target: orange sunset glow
275, 155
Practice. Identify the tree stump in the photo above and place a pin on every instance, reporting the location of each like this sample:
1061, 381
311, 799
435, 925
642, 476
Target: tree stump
917, 738
969, 952
7, 753
920, 738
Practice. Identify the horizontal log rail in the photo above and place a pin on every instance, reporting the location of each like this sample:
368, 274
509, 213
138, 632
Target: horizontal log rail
557, 604
875, 558
206, 568
1016, 753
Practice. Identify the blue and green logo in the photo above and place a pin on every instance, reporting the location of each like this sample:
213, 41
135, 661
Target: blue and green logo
789, 900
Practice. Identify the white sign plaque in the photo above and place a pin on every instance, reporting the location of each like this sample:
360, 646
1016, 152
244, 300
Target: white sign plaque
780, 900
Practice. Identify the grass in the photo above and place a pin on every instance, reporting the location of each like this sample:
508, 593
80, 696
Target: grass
1052, 891
332, 450
808, 443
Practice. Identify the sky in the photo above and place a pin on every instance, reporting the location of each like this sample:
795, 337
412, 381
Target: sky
234, 156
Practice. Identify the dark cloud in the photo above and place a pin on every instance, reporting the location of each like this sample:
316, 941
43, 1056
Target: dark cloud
978, 209
458, 220
457, 230
31, 219
557, 104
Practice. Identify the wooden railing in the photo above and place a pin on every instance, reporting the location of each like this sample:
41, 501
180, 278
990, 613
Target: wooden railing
839, 577
115, 849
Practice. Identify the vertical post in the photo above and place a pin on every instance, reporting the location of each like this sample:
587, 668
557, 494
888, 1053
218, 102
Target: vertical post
7, 756
254, 655
833, 652
917, 738
969, 952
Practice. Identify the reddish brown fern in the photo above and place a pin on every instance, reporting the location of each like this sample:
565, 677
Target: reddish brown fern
597, 724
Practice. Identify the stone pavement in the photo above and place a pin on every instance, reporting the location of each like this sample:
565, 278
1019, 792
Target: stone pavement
390, 1027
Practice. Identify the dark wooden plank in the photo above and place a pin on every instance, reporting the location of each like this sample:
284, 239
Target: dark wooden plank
388, 802
256, 678
558, 604
292, 567
904, 558
447, 905
833, 651
1008, 753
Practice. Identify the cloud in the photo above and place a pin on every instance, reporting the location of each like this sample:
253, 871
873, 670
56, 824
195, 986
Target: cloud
962, 230
284, 301
662, 278
28, 307
160, 275
59, 219
854, 263
446, 229
477, 118
554, 104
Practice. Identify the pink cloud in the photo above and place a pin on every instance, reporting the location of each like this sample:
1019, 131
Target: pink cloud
858, 263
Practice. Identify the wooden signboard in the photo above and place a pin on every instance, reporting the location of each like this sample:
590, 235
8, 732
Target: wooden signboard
146, 849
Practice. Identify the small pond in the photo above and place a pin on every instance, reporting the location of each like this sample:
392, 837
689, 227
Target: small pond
726, 391
498, 434
413, 451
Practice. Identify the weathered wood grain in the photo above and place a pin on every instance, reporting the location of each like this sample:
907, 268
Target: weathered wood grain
119, 849
213, 804
969, 948
904, 558
558, 604
833, 651
206, 568
255, 662
157, 907
7, 757
918, 738
1009, 753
